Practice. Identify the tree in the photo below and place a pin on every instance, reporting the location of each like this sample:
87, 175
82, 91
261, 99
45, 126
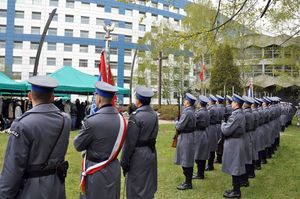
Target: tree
224, 73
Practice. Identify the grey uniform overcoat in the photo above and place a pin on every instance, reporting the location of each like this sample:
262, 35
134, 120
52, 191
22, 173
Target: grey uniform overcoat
97, 138
266, 126
255, 136
260, 131
221, 116
31, 138
228, 112
141, 182
248, 136
186, 125
212, 129
200, 134
233, 160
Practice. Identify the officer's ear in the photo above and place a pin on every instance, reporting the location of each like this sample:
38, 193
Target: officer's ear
52, 97
29, 96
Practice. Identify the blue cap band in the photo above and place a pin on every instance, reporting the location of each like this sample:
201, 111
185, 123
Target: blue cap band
104, 93
192, 102
40, 89
142, 98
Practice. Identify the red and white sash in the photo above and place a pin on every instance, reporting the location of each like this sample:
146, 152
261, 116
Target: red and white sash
116, 149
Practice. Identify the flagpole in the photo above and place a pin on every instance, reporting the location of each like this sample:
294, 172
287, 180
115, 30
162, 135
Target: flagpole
108, 29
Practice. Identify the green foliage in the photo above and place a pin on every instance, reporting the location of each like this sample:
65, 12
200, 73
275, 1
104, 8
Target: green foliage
224, 72
167, 112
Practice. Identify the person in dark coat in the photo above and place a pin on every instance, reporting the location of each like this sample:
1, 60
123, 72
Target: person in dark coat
221, 117
185, 145
233, 162
34, 166
98, 138
258, 134
212, 131
139, 157
228, 108
201, 137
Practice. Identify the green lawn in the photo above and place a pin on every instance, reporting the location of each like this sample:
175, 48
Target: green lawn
280, 178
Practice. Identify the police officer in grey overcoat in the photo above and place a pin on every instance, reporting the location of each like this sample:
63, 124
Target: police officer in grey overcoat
97, 139
212, 131
34, 166
255, 136
184, 155
221, 116
233, 162
228, 108
139, 157
259, 143
201, 137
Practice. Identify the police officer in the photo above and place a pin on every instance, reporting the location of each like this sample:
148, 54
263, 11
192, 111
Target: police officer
201, 137
255, 135
139, 158
259, 132
34, 165
228, 108
97, 138
185, 150
212, 131
266, 130
221, 115
233, 161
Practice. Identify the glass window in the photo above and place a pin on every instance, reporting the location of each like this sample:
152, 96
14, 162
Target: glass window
176, 21
127, 52
100, 6
17, 60
113, 51
17, 75
176, 10
34, 45
35, 30
114, 37
115, 10
2, 44
19, 29
166, 7
166, 19
113, 65
100, 22
128, 12
142, 15
154, 4
2, 28
51, 61
142, 2
31, 60
18, 45
128, 25
51, 46
96, 63
85, 20
84, 48
52, 31
36, 2
67, 62
69, 3
100, 35
19, 14
2, 63
83, 63
68, 33
85, 3
55, 17
142, 27
154, 17
127, 66
128, 38
84, 34
68, 47
3, 13
53, 3
98, 49
36, 15
69, 18
115, 22
126, 80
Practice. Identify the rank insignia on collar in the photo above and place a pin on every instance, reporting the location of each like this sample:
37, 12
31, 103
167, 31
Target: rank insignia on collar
14, 133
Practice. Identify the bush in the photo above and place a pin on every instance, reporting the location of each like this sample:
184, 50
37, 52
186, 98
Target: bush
167, 112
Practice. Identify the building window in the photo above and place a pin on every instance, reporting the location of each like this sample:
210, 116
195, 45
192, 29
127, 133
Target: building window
176, 10
19, 29
2, 63
127, 52
116, 23
17, 60
36, 15
53, 3
142, 2
3, 13
128, 38
69, 18
128, 12
142, 15
2, 28
142, 27
16, 75
84, 34
115, 10
126, 80
18, 45
55, 17
113, 65
68, 47
2, 44
154, 4
19, 14
35, 30
127, 66
128, 25
114, 37
166, 7
154, 17
84, 49
98, 49
100, 6
36, 2
51, 61
34, 45
166, 19
69, 3
83, 63
52, 31
100, 35
51, 46
272, 52
85, 20
100, 22
176, 21
96, 63
31, 60
68, 33
67, 62
113, 51
253, 52
85, 4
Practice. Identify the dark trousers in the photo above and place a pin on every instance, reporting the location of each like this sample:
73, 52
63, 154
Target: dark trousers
220, 148
277, 141
211, 158
236, 183
258, 162
200, 167
188, 173
269, 151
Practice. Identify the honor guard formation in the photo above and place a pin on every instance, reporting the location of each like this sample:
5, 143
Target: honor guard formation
242, 136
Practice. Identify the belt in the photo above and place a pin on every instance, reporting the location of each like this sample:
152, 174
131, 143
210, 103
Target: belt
147, 143
39, 173
200, 128
212, 123
187, 131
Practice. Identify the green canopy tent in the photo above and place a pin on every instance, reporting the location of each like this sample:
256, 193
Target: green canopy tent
9, 85
73, 81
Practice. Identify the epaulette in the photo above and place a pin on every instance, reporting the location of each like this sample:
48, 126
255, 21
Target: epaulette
89, 116
22, 116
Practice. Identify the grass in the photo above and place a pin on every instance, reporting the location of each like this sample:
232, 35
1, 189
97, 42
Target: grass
279, 179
